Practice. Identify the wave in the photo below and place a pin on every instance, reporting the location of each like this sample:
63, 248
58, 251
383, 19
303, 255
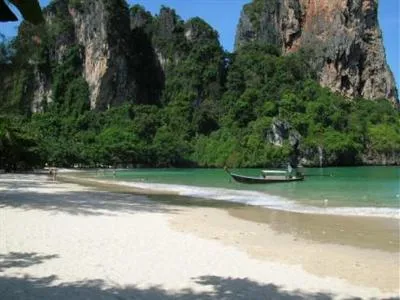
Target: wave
257, 198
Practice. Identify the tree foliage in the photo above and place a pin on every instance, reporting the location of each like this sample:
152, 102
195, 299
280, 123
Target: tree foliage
196, 105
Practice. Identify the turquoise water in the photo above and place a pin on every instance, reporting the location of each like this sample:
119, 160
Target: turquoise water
360, 190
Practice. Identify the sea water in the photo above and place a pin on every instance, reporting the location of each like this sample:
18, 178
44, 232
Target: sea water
370, 191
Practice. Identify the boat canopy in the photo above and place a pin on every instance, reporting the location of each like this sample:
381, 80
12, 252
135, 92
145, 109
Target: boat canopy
274, 172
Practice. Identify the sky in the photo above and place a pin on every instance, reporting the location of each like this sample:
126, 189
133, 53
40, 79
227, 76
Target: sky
223, 15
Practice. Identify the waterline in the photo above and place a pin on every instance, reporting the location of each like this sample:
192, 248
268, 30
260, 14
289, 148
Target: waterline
254, 198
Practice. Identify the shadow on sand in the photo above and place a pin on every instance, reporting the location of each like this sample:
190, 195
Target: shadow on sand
22, 260
45, 288
31, 194
223, 288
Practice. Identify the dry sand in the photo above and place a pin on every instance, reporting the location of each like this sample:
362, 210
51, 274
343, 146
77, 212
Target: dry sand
64, 241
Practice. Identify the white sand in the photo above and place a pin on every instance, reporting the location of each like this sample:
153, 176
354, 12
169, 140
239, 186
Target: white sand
63, 241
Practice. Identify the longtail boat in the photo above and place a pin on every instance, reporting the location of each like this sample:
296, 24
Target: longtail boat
266, 177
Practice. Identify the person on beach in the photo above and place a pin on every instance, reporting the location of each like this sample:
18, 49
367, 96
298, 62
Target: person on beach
53, 173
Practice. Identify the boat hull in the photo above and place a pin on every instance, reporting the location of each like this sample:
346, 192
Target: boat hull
262, 180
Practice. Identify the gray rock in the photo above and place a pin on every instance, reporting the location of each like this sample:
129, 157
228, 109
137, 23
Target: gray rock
102, 28
281, 131
381, 159
42, 93
140, 18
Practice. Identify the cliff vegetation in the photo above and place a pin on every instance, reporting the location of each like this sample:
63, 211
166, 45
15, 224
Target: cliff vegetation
190, 103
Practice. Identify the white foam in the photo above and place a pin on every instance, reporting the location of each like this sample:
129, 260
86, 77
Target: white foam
382, 212
262, 199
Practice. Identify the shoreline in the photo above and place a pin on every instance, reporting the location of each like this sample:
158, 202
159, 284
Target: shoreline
191, 252
369, 232
226, 195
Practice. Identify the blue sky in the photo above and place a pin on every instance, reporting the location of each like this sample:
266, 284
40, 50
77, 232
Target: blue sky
223, 15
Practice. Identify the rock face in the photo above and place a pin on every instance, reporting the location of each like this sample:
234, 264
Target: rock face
167, 29
122, 54
102, 28
385, 159
146, 65
41, 90
282, 131
343, 36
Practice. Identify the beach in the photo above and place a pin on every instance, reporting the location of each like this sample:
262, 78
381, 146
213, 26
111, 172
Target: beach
61, 240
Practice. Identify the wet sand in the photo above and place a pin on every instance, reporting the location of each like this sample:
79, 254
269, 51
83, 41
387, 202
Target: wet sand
358, 231
363, 232
324, 258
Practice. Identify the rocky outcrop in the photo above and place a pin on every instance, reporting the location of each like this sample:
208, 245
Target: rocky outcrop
102, 29
42, 93
281, 132
343, 36
381, 159
139, 17
123, 53
318, 157
167, 32
146, 65
196, 30
313, 157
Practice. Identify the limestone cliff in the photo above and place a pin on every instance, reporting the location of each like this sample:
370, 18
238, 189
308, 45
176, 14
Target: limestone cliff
102, 29
147, 68
122, 54
343, 36
41, 90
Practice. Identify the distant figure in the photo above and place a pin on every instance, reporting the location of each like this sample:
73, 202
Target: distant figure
326, 202
53, 173
290, 170
114, 173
